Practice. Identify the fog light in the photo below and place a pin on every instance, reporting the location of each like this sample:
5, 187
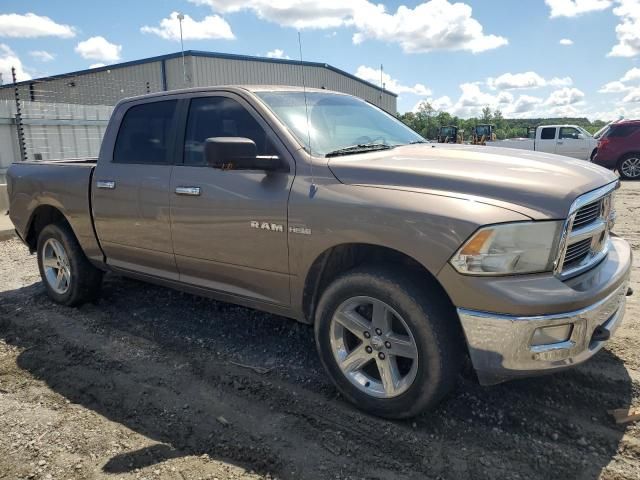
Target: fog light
547, 335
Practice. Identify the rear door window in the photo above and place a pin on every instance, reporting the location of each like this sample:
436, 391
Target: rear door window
622, 130
548, 133
146, 133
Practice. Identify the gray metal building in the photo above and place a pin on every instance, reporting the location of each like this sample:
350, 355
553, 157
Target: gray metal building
65, 116
106, 85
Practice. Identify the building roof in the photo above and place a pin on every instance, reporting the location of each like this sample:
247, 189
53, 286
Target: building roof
199, 53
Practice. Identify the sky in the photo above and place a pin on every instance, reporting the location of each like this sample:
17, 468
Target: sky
528, 58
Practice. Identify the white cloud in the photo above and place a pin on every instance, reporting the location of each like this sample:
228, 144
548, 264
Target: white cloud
572, 8
614, 87
526, 80
299, 14
99, 48
631, 75
431, 25
441, 103
622, 85
525, 104
42, 55
96, 65
628, 30
373, 75
566, 101
566, 42
210, 27
31, 25
277, 53
9, 59
633, 96
564, 97
472, 96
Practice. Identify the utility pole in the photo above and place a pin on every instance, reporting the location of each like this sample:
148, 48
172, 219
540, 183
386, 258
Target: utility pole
184, 68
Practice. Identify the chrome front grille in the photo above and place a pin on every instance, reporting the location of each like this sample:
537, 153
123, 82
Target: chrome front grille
585, 239
576, 252
588, 214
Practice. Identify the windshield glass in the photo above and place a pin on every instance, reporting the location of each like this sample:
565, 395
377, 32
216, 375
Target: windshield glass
483, 130
336, 121
585, 132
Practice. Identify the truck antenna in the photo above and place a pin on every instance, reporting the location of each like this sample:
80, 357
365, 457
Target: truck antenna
306, 111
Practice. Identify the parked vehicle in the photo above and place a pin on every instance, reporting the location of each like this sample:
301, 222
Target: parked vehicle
450, 134
483, 133
405, 256
619, 149
567, 140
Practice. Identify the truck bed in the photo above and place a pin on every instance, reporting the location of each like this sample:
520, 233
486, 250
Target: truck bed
61, 184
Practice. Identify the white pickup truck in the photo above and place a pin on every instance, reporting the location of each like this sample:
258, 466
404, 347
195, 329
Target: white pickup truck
567, 140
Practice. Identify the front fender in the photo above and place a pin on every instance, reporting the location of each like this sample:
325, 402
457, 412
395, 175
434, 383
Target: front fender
427, 228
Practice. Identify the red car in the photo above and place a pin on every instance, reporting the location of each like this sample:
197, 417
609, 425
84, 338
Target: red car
619, 148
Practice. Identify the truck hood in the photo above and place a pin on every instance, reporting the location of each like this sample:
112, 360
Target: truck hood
539, 185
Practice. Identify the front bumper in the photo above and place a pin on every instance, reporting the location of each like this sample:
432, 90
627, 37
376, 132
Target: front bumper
501, 345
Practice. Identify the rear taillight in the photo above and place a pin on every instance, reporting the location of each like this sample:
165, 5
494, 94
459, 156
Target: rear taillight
603, 142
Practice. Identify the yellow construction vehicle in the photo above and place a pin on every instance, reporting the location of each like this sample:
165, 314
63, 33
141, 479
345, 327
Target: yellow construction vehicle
450, 134
483, 133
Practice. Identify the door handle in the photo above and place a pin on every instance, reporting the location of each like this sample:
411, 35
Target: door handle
192, 191
107, 184
559, 143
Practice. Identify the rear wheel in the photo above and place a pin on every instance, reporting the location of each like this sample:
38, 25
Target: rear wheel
629, 167
390, 348
68, 276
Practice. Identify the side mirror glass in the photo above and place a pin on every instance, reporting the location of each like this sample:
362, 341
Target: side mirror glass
237, 153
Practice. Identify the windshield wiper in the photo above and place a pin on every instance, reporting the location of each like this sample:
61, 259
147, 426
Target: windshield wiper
417, 141
360, 148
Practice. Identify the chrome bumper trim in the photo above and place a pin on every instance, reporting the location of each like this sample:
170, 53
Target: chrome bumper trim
500, 345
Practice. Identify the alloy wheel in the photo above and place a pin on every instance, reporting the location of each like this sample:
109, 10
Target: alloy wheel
631, 167
374, 347
55, 262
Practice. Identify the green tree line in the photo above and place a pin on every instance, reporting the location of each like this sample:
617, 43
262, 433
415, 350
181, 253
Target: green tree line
427, 120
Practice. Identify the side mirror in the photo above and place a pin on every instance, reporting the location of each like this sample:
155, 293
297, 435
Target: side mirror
237, 153
581, 136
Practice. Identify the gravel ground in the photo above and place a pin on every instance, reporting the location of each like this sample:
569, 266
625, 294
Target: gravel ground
156, 384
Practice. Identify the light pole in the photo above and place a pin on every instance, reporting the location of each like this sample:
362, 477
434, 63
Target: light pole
184, 68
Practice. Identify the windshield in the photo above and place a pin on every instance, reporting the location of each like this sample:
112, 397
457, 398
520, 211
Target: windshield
483, 130
585, 132
336, 121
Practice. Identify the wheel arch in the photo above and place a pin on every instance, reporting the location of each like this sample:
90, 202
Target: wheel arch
42, 216
343, 257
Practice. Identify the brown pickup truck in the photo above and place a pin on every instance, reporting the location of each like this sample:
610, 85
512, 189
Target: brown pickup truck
406, 256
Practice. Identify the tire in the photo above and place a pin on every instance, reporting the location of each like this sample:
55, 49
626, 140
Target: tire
418, 316
69, 278
629, 166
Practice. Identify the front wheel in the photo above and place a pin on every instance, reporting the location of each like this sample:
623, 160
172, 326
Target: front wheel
68, 276
629, 167
391, 346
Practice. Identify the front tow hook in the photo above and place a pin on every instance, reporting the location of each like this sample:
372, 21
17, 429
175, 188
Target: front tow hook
600, 334
629, 291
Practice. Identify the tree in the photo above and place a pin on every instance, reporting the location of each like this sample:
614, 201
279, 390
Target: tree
486, 115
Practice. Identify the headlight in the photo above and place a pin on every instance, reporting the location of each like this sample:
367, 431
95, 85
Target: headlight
509, 248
